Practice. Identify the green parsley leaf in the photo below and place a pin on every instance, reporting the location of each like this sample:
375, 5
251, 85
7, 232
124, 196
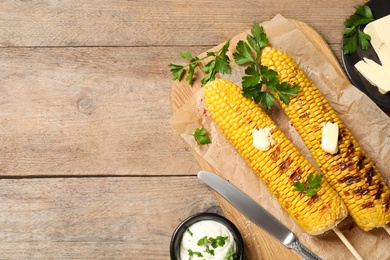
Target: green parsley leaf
364, 11
310, 187
192, 253
356, 20
243, 54
259, 82
350, 45
253, 77
266, 98
285, 91
230, 255
349, 31
354, 36
218, 241
209, 67
218, 64
191, 71
258, 40
269, 78
222, 64
209, 250
310, 192
177, 71
186, 55
364, 40
190, 232
299, 186
201, 136
202, 241
314, 181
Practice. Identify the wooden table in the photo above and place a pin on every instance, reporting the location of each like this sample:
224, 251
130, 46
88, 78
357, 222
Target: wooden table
90, 167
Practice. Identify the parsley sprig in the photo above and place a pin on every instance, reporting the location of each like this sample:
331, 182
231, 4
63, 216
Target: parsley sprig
310, 187
260, 82
201, 136
220, 62
354, 35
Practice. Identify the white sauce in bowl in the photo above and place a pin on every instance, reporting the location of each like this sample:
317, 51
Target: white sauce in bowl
211, 229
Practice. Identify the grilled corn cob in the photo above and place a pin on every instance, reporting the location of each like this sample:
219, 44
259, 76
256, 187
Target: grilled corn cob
349, 171
279, 166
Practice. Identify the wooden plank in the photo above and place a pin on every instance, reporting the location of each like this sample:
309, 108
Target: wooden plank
125, 23
96, 218
106, 218
88, 111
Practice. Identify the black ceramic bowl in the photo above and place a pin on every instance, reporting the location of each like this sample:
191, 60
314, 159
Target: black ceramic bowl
178, 233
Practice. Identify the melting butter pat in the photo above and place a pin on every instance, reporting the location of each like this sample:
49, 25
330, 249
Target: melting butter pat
330, 136
262, 138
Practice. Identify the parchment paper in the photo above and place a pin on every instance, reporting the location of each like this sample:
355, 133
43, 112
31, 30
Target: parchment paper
369, 124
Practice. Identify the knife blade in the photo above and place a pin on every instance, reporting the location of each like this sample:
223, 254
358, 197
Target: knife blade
256, 213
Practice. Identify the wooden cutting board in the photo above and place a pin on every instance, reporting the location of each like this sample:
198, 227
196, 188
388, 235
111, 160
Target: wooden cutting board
261, 246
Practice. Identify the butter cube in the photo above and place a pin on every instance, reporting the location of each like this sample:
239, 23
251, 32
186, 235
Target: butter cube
330, 137
376, 74
380, 38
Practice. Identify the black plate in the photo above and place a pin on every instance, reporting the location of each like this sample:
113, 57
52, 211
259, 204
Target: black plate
379, 8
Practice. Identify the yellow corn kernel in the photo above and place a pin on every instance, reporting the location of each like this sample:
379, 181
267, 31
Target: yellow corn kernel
368, 201
278, 167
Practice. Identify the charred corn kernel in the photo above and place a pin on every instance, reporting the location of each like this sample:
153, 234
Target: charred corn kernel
350, 172
278, 167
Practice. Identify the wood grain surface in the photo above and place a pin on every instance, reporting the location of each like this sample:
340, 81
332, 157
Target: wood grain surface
101, 218
90, 167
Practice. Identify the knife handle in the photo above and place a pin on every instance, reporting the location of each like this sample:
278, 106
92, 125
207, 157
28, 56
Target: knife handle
304, 251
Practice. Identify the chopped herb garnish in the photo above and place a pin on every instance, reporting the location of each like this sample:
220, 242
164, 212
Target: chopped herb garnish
192, 253
260, 82
219, 63
310, 187
354, 35
219, 241
201, 136
190, 232
202, 241
211, 243
230, 255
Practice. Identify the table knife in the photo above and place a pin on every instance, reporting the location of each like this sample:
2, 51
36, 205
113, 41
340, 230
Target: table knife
256, 213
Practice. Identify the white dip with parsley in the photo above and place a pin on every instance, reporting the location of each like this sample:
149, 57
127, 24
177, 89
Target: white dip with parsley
207, 239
